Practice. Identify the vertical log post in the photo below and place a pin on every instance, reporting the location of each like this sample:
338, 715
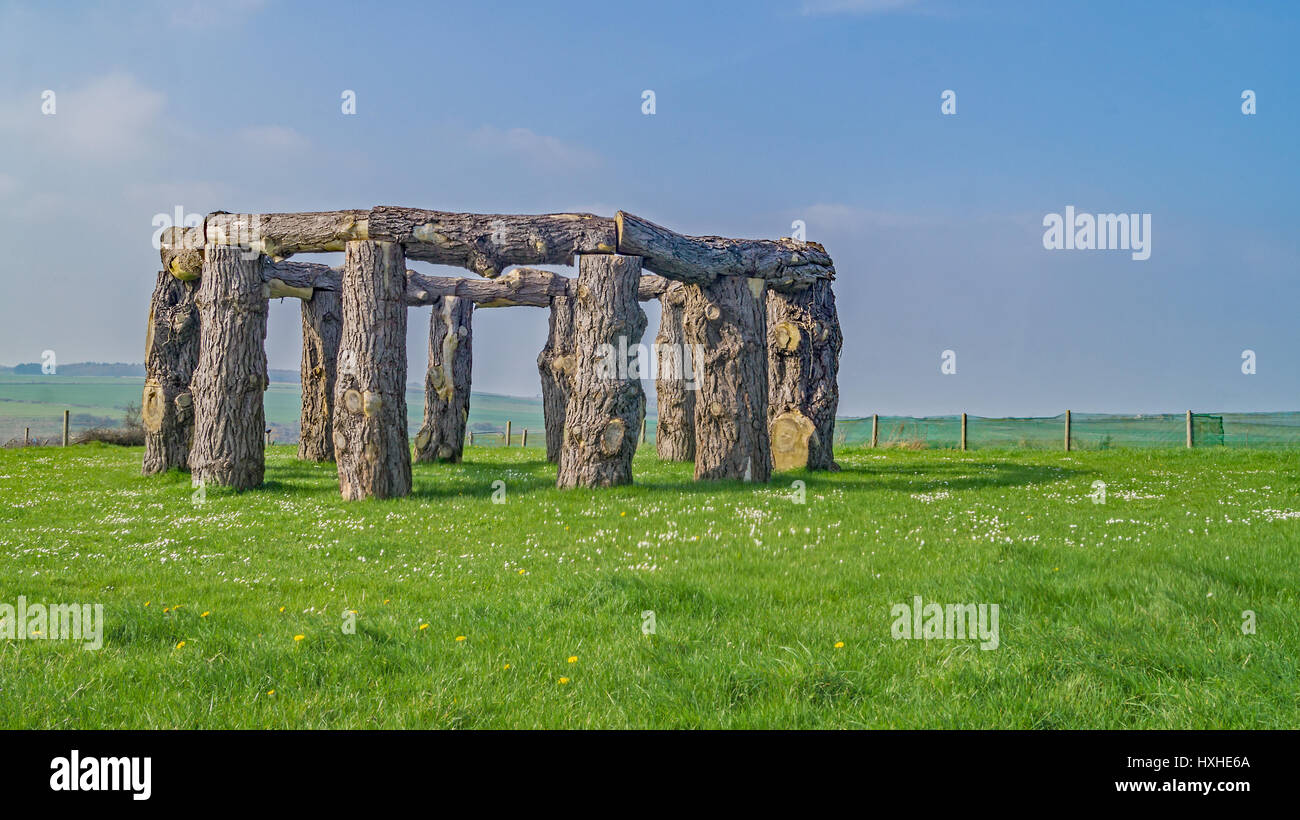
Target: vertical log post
322, 324
1067, 431
507, 432
963, 431
727, 320
875, 427
607, 403
230, 377
1189, 430
447, 382
555, 364
803, 348
65, 429
370, 444
171, 351
523, 442
676, 380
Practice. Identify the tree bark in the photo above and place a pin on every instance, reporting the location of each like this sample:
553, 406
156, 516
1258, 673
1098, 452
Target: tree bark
726, 319
230, 377
698, 260
488, 243
607, 405
447, 382
171, 353
182, 252
322, 324
803, 344
370, 444
556, 365
675, 380
520, 287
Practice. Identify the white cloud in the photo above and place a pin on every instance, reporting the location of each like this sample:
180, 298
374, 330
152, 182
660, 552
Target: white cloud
110, 119
211, 13
817, 7
537, 151
273, 137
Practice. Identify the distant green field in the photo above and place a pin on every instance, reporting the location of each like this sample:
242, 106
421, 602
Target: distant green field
768, 612
38, 402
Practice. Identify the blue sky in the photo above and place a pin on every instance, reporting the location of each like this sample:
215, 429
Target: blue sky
766, 112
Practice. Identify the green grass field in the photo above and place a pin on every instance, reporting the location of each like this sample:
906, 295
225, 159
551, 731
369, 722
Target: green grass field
768, 613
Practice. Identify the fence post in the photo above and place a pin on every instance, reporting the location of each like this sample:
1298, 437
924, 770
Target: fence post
507, 432
963, 431
1189, 428
27, 436
1067, 431
875, 422
643, 429
523, 441
268, 437
471, 438
65, 429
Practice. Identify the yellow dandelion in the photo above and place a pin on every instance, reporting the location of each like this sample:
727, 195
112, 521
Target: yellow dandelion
839, 644
460, 637
282, 609
573, 659
386, 600
166, 610
271, 692
563, 681
299, 637
205, 614
507, 666
146, 603
181, 644
521, 572
622, 514
424, 626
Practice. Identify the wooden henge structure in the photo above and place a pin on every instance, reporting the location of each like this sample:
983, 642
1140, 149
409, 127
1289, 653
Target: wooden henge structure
753, 323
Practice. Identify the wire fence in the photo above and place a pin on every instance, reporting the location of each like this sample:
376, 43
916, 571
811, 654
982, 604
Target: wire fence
1087, 431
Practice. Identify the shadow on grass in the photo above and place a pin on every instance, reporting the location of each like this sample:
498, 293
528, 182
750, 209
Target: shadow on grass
476, 479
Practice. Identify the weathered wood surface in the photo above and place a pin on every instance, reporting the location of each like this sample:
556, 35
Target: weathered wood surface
520, 287
785, 264
280, 235
170, 356
488, 243
803, 343
726, 318
675, 385
322, 326
447, 381
181, 250
607, 405
370, 444
484, 243
230, 377
555, 364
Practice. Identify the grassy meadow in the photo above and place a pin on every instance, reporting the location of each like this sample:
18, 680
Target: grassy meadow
768, 613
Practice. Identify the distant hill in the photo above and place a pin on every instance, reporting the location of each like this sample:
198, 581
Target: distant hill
93, 369
101, 370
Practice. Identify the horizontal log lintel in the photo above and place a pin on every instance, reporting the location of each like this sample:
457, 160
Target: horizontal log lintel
521, 287
490, 244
